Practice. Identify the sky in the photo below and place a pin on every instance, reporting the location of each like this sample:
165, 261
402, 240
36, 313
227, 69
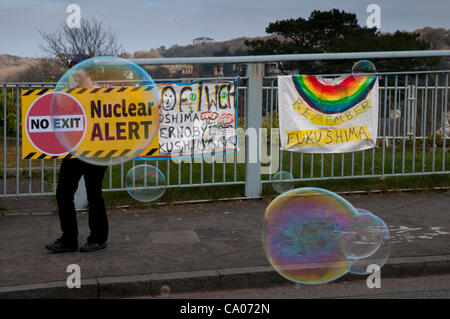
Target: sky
146, 24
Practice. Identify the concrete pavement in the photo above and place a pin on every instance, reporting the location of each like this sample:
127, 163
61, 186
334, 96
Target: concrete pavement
201, 247
433, 286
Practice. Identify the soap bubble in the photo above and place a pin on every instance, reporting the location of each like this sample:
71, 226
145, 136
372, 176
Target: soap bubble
302, 235
379, 258
278, 185
379, 233
121, 100
142, 182
165, 290
363, 69
365, 235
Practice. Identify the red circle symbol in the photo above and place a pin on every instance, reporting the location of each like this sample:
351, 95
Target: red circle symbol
55, 123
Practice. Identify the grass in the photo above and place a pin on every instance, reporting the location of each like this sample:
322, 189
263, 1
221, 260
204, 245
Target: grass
11, 157
3, 207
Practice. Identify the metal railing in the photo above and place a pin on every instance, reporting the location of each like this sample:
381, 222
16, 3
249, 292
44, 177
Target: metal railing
412, 134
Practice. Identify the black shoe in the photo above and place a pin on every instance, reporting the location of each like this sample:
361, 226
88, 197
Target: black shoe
59, 247
90, 246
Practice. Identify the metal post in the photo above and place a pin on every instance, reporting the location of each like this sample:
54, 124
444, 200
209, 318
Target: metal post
253, 114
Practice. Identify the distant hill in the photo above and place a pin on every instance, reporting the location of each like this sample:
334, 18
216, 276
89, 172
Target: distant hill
439, 39
232, 47
11, 65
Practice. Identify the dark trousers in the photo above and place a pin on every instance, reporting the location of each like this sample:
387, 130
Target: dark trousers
69, 176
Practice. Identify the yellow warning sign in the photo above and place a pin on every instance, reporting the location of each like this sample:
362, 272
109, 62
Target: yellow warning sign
98, 122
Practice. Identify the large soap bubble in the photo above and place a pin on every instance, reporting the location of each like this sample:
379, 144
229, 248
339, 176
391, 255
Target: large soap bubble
144, 183
113, 102
302, 235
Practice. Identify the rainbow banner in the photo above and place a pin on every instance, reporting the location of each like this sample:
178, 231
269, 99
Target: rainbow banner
328, 115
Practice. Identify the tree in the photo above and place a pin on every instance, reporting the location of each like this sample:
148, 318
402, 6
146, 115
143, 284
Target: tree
336, 31
92, 38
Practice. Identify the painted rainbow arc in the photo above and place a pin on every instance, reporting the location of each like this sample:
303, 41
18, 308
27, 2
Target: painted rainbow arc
332, 98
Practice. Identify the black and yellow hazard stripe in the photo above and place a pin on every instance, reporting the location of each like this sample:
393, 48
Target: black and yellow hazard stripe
92, 154
38, 155
75, 91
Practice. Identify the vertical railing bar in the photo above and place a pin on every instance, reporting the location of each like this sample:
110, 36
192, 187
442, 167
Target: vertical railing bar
17, 141
362, 162
54, 175
444, 126
415, 124
213, 158
42, 168
134, 176
201, 169
301, 165
30, 174
353, 164
312, 165
389, 112
442, 115
157, 166
168, 172
121, 175
190, 168
373, 161
271, 103
423, 105
110, 173
291, 155
235, 166
321, 165
405, 114
224, 166
342, 164
435, 98
42, 174
394, 134
424, 124
332, 164
179, 171
383, 156
5, 113
145, 175
281, 153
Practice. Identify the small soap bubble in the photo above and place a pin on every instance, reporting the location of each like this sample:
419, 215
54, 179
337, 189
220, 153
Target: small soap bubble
363, 69
277, 182
142, 183
165, 290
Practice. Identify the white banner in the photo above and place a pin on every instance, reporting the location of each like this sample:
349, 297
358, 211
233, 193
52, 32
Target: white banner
324, 115
197, 119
